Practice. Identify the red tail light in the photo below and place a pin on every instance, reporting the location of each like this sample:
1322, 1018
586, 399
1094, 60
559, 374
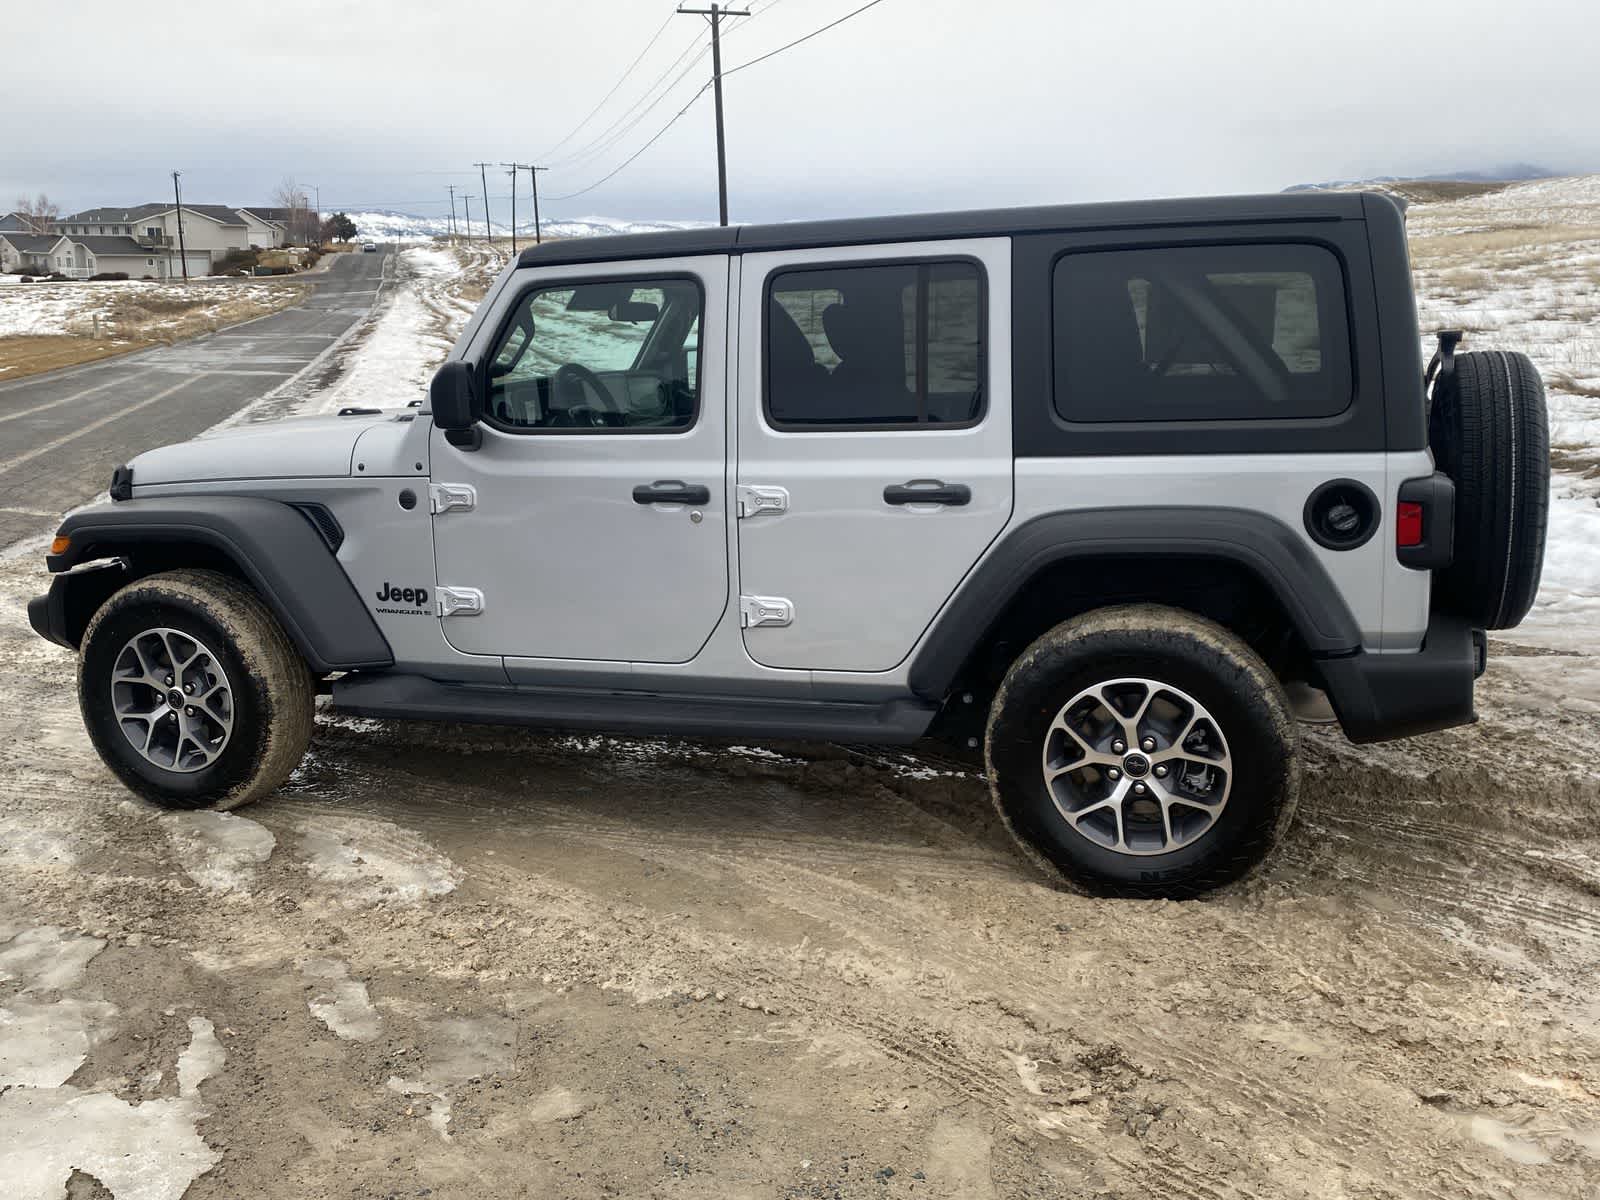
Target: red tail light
1408, 524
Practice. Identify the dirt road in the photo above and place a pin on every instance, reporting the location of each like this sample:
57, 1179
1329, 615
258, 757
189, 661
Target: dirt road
459, 962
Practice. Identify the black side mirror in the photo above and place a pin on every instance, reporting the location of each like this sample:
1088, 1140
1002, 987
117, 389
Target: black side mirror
457, 407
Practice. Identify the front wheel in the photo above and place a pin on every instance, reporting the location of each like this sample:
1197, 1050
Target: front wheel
1143, 751
192, 693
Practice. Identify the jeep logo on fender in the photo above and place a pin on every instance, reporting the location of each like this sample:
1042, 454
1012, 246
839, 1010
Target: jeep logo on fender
412, 598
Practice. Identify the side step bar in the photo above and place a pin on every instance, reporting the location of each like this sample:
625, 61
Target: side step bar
416, 698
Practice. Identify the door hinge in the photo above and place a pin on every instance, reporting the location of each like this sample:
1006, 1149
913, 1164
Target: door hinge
442, 497
765, 610
459, 601
753, 501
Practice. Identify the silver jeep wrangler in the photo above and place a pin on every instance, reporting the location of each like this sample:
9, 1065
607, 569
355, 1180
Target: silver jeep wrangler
1097, 488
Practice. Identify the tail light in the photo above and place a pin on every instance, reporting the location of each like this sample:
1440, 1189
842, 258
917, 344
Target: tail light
1425, 522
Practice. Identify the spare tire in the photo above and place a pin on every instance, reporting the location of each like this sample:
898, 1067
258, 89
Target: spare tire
1490, 434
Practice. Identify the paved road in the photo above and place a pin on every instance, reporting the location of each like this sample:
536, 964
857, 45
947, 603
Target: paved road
60, 434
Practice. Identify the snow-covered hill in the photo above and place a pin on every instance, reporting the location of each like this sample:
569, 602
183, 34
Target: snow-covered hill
383, 226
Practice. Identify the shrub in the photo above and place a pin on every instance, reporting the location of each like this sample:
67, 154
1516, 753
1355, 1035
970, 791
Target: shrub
108, 276
235, 261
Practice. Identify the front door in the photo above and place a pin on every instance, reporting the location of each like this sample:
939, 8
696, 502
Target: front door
597, 526
874, 447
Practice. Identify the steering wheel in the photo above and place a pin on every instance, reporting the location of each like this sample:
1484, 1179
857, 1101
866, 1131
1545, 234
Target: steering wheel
572, 377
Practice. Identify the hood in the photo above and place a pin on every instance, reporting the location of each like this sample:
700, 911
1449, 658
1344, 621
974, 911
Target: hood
298, 449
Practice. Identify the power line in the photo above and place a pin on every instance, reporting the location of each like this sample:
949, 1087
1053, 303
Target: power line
807, 38
612, 134
704, 88
621, 79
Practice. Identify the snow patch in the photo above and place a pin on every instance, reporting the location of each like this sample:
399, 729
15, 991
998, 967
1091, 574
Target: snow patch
147, 1151
343, 1004
438, 1111
374, 861
41, 1045
47, 958
202, 1059
218, 850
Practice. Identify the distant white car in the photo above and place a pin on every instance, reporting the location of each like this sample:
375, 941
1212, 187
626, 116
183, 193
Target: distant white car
369, 248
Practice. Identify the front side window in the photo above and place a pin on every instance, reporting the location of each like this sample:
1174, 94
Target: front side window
618, 356
1201, 333
884, 345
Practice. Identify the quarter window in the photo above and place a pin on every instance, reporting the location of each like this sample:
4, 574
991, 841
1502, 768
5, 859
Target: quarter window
885, 345
618, 356
1201, 333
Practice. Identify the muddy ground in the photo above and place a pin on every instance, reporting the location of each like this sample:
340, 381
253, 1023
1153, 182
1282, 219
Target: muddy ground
459, 962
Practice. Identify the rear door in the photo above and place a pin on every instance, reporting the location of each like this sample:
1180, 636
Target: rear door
874, 443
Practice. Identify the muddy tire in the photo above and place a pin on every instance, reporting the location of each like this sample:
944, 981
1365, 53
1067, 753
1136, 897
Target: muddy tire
1142, 751
1490, 433
192, 693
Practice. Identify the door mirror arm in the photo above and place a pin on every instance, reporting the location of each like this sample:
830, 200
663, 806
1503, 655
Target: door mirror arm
456, 404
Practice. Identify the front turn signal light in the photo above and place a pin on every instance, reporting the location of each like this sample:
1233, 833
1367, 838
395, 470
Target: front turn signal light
61, 544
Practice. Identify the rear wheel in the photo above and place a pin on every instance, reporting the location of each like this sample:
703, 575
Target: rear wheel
1143, 751
192, 693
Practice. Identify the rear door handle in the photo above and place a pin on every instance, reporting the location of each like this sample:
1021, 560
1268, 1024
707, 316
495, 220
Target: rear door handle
671, 491
927, 491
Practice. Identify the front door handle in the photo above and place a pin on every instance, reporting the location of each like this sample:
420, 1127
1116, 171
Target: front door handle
671, 491
927, 491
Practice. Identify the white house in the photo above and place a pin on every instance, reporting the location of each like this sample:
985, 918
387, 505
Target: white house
210, 231
121, 255
266, 226
43, 253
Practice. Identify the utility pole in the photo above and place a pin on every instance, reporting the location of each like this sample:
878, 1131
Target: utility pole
452, 213
177, 202
488, 230
467, 200
716, 14
533, 177
513, 173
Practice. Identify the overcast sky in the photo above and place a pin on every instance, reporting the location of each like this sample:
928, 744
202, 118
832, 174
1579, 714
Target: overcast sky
912, 105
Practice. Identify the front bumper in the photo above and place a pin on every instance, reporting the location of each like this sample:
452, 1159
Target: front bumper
63, 613
1380, 697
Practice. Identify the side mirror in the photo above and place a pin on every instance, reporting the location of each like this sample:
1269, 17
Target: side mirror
457, 407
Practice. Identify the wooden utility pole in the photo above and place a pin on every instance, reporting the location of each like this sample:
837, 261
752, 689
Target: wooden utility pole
512, 171
716, 14
467, 200
533, 176
177, 202
488, 230
452, 212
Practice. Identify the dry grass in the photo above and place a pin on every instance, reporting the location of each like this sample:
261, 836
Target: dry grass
29, 355
1509, 246
1441, 191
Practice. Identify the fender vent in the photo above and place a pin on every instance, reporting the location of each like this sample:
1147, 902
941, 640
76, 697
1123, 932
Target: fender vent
325, 523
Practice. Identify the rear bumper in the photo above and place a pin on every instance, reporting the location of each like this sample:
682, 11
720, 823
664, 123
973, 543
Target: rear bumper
1380, 697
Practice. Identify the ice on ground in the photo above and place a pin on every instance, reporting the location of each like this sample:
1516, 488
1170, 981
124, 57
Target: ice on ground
218, 850
41, 1045
147, 1151
47, 958
343, 1004
462, 1048
373, 861
23, 844
201, 1059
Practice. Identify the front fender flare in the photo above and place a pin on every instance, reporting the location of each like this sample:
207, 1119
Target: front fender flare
271, 544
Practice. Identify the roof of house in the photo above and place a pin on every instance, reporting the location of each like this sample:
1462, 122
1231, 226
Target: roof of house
23, 219
111, 245
219, 213
276, 215
32, 243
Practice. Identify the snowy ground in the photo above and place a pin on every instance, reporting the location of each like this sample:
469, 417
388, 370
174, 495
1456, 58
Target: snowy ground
1519, 269
128, 308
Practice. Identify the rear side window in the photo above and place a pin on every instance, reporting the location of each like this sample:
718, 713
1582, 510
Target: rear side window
1201, 333
885, 345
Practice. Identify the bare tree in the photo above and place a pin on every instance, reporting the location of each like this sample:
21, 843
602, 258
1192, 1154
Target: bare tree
301, 223
40, 212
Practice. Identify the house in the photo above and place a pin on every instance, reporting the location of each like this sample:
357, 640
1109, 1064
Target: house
210, 231
15, 222
268, 227
37, 253
120, 255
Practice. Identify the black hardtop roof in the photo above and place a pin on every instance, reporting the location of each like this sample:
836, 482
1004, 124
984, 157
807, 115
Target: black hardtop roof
988, 222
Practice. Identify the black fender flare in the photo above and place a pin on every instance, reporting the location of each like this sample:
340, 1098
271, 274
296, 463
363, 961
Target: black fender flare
1270, 550
272, 545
